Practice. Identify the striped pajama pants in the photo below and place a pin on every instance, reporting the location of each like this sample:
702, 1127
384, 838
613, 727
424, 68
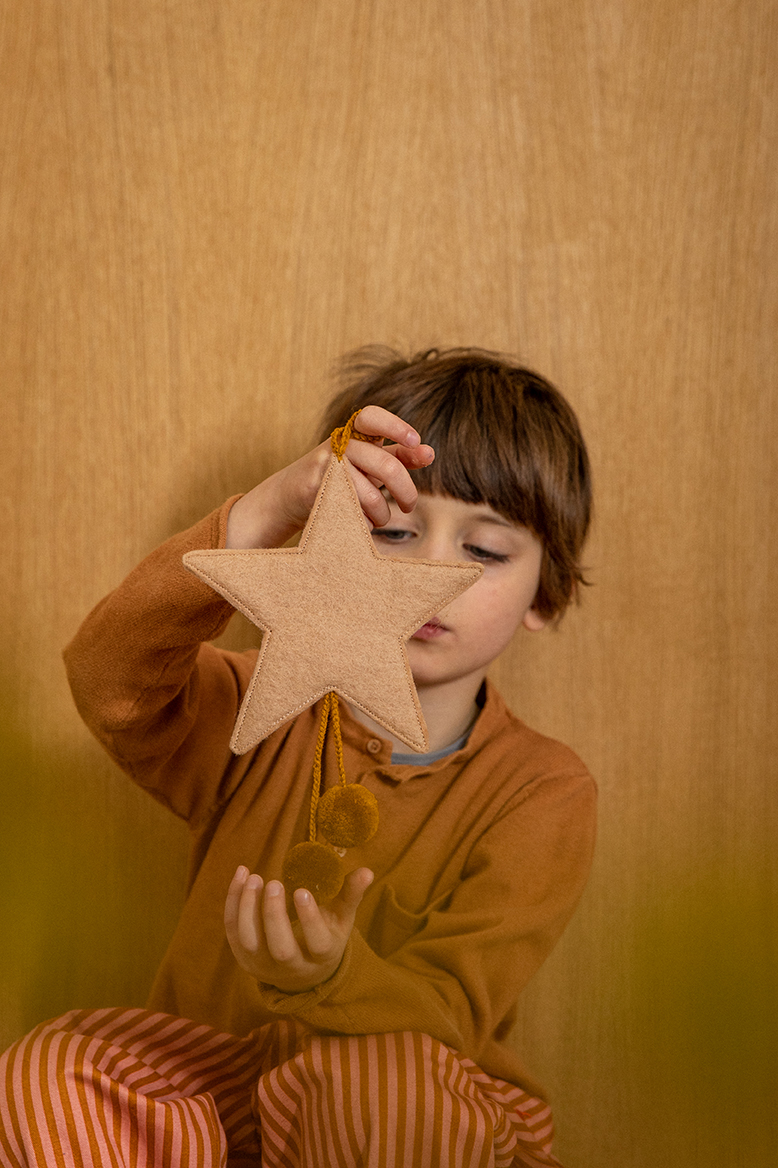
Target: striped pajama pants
128, 1088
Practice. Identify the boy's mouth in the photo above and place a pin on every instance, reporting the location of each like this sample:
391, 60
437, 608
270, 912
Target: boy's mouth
429, 631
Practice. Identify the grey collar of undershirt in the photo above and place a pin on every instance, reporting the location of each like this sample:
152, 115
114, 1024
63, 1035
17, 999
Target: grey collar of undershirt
433, 756
437, 755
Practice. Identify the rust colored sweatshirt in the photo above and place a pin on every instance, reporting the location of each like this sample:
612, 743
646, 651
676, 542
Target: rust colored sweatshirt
479, 859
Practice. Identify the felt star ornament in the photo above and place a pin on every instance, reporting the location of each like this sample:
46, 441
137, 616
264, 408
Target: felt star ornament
335, 616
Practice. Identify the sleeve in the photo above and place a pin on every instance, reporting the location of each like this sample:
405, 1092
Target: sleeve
140, 674
459, 976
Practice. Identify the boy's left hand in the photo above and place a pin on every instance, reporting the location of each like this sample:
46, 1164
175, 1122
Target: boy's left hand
293, 958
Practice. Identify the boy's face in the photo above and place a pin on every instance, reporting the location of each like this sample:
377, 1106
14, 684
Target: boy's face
467, 635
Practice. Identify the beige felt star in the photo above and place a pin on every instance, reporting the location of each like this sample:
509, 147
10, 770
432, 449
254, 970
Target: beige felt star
336, 615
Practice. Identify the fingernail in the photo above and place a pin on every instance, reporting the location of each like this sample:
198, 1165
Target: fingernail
412, 439
302, 896
274, 888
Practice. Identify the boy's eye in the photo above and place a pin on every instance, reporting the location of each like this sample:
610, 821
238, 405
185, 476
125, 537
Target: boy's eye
393, 534
482, 554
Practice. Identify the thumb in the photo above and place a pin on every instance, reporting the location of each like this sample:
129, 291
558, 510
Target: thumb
354, 887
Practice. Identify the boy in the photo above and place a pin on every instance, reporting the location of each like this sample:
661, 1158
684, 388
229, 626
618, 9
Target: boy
374, 1027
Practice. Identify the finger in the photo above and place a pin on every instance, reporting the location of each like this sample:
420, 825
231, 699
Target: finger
249, 926
387, 460
279, 937
316, 932
346, 903
373, 504
370, 466
413, 457
232, 903
380, 423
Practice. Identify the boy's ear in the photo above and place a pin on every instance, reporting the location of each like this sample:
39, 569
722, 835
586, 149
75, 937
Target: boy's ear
534, 621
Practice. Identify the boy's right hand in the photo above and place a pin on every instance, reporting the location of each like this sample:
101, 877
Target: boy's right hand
292, 957
278, 508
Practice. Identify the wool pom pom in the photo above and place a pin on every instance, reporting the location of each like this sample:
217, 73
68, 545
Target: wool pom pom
315, 867
348, 816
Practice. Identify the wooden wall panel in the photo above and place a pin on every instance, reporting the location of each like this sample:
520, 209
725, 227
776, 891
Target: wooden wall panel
201, 206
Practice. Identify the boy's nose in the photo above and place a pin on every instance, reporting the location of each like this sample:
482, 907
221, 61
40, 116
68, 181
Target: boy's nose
436, 546
431, 547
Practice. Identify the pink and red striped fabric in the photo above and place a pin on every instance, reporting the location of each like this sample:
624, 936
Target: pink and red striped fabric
133, 1089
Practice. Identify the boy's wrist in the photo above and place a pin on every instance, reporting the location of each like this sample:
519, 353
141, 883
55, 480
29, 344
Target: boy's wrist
299, 1001
257, 519
299, 985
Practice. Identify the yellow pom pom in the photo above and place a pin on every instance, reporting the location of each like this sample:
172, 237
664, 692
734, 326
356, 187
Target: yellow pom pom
348, 816
315, 867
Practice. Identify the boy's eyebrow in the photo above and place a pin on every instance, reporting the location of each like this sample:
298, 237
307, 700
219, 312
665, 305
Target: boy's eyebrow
499, 520
485, 516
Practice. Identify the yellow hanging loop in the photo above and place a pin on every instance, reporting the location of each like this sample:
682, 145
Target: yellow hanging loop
339, 438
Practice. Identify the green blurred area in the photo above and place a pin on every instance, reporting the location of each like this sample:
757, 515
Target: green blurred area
92, 874
703, 1014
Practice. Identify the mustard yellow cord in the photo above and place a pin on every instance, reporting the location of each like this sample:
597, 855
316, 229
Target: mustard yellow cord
335, 714
329, 710
325, 713
339, 439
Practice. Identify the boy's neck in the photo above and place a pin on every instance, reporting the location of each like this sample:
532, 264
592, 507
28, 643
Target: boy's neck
449, 710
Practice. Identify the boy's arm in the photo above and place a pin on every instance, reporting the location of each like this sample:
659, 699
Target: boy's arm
459, 976
140, 673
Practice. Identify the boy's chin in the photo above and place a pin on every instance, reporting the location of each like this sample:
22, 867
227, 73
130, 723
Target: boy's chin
429, 673
423, 675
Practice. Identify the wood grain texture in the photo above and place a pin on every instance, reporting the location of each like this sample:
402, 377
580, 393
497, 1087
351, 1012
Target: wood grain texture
201, 206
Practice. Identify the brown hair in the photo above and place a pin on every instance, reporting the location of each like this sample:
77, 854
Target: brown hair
502, 435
